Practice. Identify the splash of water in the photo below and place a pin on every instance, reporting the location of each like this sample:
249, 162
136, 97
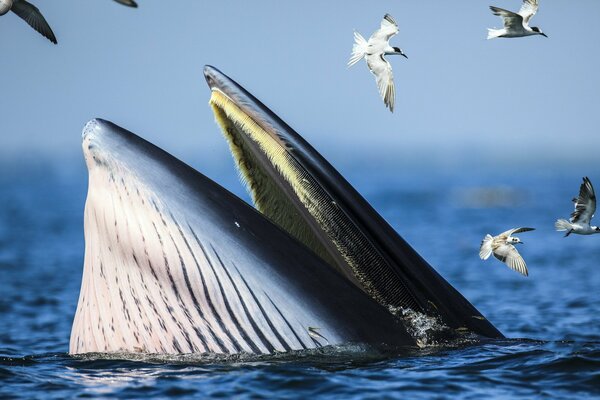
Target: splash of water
426, 330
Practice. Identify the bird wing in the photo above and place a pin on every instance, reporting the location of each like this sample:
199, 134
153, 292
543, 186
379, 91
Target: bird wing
388, 28
511, 19
508, 254
528, 9
585, 205
514, 230
34, 18
382, 70
128, 3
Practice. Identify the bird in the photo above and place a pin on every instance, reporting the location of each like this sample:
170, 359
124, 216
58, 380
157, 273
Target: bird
585, 207
516, 24
30, 14
374, 52
128, 3
502, 248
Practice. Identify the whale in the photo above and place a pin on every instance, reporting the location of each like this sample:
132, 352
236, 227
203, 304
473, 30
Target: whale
297, 188
176, 264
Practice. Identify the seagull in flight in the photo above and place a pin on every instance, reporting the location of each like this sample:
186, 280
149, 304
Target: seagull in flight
30, 14
374, 51
516, 24
585, 207
502, 248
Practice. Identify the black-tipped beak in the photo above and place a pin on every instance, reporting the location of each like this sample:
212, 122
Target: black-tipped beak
544, 35
405, 56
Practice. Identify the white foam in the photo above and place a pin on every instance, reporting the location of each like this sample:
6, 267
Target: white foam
423, 328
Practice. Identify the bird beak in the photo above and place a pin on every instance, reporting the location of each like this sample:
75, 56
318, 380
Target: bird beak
405, 56
544, 35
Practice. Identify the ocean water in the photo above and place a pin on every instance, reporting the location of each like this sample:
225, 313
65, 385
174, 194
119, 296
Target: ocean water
550, 318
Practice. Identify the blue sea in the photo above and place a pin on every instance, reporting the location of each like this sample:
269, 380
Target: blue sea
551, 318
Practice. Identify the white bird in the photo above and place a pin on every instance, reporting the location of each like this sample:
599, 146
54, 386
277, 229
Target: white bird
502, 248
30, 14
585, 207
374, 51
516, 24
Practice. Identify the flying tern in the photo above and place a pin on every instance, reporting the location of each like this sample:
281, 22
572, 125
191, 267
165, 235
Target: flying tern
585, 207
374, 51
516, 24
502, 248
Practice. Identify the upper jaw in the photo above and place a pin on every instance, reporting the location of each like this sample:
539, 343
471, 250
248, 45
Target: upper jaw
245, 102
316, 197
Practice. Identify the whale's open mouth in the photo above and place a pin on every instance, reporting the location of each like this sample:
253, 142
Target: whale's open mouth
280, 186
295, 187
175, 264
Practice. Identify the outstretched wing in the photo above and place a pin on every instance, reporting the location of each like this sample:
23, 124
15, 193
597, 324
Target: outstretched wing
585, 204
528, 9
508, 254
511, 19
34, 18
382, 70
388, 28
128, 3
510, 232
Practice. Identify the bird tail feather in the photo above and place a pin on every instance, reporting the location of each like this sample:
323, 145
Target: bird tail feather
563, 225
485, 251
359, 49
494, 33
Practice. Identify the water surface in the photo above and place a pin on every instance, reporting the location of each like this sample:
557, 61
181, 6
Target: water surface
551, 317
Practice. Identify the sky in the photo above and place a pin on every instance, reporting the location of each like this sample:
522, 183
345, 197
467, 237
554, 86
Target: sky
462, 101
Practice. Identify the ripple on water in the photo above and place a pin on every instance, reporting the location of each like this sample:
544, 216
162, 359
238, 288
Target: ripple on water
514, 368
41, 252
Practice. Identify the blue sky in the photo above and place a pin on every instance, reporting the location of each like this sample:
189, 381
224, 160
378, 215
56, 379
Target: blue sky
461, 100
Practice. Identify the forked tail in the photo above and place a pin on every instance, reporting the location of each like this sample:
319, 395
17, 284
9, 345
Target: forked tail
494, 33
485, 251
563, 225
359, 49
